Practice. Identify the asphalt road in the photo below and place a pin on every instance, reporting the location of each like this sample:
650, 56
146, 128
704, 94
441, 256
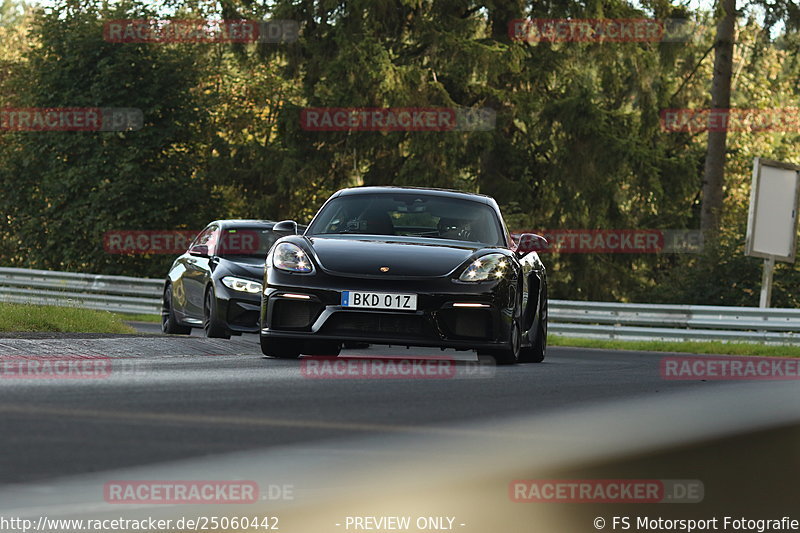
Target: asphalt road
157, 407
163, 408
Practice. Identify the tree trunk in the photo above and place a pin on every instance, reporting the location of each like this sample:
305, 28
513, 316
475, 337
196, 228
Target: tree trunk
714, 172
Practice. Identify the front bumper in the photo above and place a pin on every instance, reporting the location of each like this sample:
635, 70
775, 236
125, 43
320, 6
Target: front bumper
239, 310
437, 322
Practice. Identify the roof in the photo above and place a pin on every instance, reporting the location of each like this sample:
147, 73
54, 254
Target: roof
245, 223
427, 190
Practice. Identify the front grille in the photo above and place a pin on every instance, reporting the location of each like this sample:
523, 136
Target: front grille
293, 313
356, 324
467, 323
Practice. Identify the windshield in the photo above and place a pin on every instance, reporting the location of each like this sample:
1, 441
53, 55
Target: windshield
245, 241
405, 214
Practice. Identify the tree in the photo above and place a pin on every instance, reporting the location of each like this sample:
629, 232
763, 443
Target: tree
64, 190
714, 172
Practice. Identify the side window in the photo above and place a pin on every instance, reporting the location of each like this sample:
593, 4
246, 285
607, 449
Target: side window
208, 237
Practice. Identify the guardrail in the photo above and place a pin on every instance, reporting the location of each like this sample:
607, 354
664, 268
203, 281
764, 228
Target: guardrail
118, 294
610, 320
602, 320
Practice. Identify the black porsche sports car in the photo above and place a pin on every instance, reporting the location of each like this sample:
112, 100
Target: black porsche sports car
405, 266
216, 284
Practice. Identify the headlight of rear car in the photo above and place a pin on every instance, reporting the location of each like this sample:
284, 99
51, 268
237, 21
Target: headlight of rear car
488, 267
242, 285
288, 256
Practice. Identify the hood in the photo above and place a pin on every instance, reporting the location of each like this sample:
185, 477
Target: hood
366, 257
246, 267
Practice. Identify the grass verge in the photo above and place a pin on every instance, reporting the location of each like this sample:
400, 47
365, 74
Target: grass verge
698, 347
30, 318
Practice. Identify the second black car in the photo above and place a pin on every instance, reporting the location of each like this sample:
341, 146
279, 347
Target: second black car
216, 283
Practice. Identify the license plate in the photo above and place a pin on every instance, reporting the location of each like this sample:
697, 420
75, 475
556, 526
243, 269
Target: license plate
379, 300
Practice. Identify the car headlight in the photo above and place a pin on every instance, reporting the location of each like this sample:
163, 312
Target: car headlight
488, 267
288, 256
242, 285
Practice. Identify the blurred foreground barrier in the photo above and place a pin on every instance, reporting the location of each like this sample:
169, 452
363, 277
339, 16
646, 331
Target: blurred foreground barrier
601, 320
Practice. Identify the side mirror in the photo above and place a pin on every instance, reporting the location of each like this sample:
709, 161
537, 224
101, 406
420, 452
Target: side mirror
199, 250
530, 242
285, 227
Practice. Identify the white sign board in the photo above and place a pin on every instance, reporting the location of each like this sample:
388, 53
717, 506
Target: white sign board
772, 220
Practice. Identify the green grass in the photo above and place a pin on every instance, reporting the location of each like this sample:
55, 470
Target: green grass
699, 347
30, 318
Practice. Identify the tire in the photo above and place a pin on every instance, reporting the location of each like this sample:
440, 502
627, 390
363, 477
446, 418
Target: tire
510, 355
169, 322
280, 348
536, 352
212, 327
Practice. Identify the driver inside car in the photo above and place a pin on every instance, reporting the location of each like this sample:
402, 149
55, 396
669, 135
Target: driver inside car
453, 228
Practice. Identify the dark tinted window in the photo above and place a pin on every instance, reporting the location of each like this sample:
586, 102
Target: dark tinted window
207, 237
409, 214
247, 241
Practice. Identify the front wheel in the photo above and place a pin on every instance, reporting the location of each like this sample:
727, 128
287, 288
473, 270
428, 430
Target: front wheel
211, 325
535, 353
510, 355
